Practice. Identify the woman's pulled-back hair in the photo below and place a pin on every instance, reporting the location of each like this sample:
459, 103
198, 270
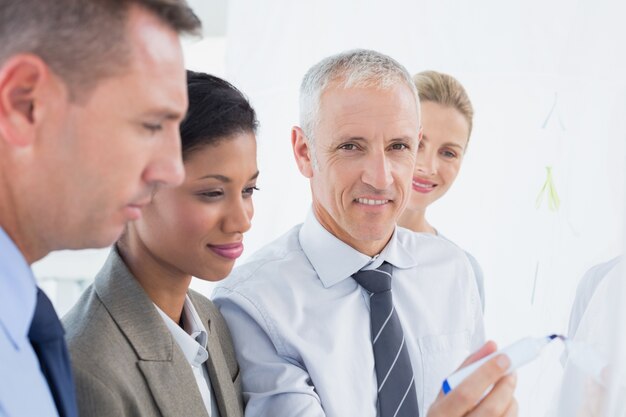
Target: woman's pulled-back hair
216, 111
446, 90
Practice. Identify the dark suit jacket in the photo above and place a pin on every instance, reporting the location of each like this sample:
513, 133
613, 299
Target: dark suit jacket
126, 362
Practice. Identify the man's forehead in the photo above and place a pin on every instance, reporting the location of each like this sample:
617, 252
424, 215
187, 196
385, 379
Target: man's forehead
367, 95
156, 62
354, 106
152, 41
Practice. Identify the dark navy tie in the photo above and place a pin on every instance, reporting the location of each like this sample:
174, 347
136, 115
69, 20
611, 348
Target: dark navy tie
396, 385
46, 337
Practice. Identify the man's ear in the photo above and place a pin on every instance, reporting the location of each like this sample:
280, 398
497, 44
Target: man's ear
301, 151
21, 85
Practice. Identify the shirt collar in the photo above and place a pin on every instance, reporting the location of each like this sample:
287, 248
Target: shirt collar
192, 340
334, 260
193, 323
18, 289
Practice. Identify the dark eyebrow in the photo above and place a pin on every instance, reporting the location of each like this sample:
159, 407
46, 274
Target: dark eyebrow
218, 177
172, 116
224, 178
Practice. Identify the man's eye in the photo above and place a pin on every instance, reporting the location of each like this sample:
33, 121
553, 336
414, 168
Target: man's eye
399, 146
212, 194
153, 128
348, 147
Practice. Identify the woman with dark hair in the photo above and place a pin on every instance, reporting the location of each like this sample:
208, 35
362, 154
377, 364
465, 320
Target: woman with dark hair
143, 343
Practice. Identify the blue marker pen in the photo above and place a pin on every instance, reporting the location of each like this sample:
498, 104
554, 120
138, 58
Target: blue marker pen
520, 353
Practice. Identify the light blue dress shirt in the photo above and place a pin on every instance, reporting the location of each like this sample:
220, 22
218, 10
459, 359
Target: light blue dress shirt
23, 388
301, 325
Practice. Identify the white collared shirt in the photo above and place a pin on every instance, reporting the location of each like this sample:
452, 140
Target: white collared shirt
301, 324
586, 289
192, 341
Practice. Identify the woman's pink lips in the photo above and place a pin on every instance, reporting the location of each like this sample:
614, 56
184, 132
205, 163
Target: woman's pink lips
229, 251
421, 189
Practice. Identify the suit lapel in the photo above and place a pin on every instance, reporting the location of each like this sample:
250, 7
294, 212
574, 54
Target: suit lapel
176, 393
221, 379
167, 373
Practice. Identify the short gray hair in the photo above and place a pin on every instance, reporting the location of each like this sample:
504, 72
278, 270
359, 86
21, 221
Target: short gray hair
353, 68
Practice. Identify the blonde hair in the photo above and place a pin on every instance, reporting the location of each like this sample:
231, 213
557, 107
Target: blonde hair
446, 90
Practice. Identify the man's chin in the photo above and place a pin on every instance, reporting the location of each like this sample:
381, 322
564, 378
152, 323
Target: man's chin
368, 231
368, 237
96, 239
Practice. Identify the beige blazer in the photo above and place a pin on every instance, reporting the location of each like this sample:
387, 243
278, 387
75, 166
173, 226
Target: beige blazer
126, 362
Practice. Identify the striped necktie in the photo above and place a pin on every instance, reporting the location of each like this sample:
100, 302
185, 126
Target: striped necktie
396, 385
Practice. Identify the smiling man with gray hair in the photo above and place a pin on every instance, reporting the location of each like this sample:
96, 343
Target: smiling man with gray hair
347, 314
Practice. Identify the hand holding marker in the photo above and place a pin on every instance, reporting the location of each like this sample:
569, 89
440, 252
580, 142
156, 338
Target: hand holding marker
519, 353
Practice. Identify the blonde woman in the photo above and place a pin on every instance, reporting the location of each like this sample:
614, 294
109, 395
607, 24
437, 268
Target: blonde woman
447, 115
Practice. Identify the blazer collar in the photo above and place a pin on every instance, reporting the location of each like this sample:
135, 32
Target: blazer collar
132, 310
164, 367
